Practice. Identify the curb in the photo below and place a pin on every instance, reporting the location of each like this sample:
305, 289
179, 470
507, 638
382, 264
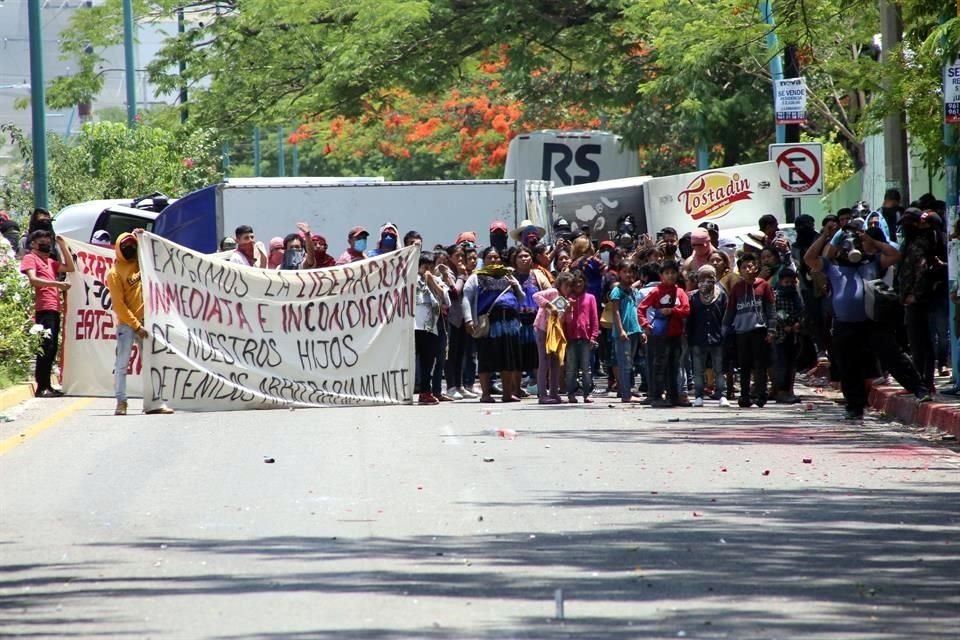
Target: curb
12, 396
902, 407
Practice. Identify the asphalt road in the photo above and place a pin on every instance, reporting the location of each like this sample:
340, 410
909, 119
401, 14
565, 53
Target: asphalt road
420, 522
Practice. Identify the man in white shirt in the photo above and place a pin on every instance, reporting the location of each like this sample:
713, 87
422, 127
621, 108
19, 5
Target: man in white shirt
249, 252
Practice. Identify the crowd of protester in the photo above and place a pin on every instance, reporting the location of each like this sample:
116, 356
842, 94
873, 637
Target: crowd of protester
664, 320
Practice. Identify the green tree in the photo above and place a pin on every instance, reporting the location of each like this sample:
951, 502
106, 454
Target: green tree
665, 74
109, 160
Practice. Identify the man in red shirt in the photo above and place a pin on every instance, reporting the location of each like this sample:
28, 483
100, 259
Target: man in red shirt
357, 241
42, 271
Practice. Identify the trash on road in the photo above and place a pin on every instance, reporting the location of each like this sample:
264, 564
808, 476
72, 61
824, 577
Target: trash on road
506, 434
268, 460
766, 472
808, 461
488, 459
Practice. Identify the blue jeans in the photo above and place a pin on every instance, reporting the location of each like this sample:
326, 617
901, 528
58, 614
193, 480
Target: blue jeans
624, 351
579, 359
700, 353
126, 337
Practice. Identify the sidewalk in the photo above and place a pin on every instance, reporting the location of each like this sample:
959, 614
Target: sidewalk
12, 396
943, 413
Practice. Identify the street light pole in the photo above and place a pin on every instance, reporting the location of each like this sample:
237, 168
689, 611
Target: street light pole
129, 63
38, 106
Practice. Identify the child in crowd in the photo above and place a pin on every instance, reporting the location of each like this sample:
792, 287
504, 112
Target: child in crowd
670, 307
626, 327
548, 374
581, 325
705, 333
751, 316
789, 308
431, 296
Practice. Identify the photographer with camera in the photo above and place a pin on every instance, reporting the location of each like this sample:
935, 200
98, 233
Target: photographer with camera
852, 259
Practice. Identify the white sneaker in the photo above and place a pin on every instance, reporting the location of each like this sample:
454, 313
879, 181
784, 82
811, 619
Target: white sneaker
698, 402
454, 394
724, 402
468, 393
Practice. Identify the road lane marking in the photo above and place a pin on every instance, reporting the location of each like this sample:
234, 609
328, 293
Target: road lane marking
39, 427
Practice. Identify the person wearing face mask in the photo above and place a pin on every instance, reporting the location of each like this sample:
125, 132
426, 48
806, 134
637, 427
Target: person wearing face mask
668, 242
857, 340
249, 252
276, 251
42, 271
528, 234
294, 255
388, 240
357, 245
498, 236
126, 294
40, 219
705, 334
316, 249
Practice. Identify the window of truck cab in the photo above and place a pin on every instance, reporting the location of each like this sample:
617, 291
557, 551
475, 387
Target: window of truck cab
116, 223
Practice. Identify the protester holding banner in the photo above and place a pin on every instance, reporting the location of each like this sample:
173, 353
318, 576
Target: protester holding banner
42, 271
126, 294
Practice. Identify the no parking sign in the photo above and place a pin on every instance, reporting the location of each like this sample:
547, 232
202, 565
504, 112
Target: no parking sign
800, 167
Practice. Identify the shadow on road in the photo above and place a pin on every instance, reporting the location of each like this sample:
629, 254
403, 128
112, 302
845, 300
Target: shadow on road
884, 565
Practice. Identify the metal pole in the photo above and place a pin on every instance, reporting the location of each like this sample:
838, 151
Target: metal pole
256, 151
296, 160
951, 168
129, 63
703, 157
281, 154
38, 107
181, 28
776, 65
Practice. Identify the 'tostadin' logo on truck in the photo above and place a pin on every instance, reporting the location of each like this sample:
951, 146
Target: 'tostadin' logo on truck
713, 194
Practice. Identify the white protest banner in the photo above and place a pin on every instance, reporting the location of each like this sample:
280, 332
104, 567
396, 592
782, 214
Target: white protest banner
90, 328
790, 101
951, 92
229, 337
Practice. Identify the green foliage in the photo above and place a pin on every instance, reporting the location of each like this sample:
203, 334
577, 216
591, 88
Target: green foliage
665, 74
109, 160
19, 338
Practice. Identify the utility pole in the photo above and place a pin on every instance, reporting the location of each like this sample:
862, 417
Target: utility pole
129, 63
38, 106
296, 160
773, 47
181, 28
895, 148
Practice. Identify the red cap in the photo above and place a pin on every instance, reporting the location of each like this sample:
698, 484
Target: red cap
467, 236
357, 231
318, 239
498, 225
609, 244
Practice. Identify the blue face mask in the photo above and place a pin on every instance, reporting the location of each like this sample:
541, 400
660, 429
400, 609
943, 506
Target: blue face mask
388, 243
360, 244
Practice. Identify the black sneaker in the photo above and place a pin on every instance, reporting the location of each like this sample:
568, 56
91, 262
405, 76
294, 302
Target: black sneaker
761, 402
923, 397
745, 403
853, 414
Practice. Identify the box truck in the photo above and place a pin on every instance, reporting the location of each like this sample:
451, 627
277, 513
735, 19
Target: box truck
439, 210
570, 157
732, 197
